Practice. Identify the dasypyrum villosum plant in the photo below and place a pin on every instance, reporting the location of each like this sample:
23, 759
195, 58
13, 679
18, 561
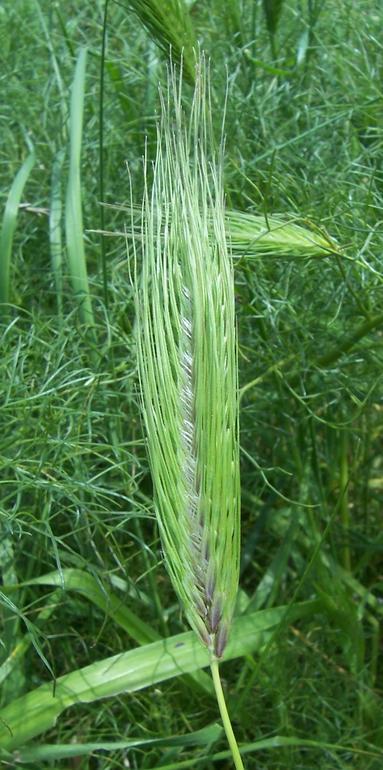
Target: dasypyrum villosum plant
187, 360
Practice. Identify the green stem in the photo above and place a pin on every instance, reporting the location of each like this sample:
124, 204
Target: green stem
225, 715
101, 158
344, 503
348, 342
329, 358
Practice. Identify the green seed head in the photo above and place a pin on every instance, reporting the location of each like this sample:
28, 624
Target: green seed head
187, 360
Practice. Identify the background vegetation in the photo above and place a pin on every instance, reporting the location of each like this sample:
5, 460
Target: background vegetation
82, 571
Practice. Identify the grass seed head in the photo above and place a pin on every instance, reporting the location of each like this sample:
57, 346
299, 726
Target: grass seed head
188, 363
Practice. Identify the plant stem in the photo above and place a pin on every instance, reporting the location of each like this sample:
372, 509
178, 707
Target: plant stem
344, 503
101, 157
225, 715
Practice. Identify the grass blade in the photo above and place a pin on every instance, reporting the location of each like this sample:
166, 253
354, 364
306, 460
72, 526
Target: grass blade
73, 210
275, 742
20, 648
38, 710
272, 10
71, 579
9, 225
10, 622
201, 737
101, 596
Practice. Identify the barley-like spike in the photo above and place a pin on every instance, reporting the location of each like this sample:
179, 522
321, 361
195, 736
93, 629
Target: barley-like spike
188, 362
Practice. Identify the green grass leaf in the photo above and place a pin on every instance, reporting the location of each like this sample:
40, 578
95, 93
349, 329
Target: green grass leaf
272, 10
9, 225
206, 735
101, 596
73, 209
38, 710
276, 742
71, 579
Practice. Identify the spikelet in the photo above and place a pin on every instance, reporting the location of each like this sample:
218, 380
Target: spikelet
254, 236
278, 235
187, 360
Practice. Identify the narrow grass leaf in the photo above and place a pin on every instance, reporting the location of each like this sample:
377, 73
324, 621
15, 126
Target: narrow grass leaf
9, 225
272, 10
21, 647
33, 631
10, 621
269, 584
302, 47
276, 742
73, 210
71, 579
46, 752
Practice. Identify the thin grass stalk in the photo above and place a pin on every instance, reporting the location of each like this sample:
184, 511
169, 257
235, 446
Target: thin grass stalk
101, 155
344, 480
21, 646
187, 357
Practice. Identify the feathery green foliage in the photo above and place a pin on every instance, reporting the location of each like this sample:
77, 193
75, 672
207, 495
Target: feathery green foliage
188, 367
